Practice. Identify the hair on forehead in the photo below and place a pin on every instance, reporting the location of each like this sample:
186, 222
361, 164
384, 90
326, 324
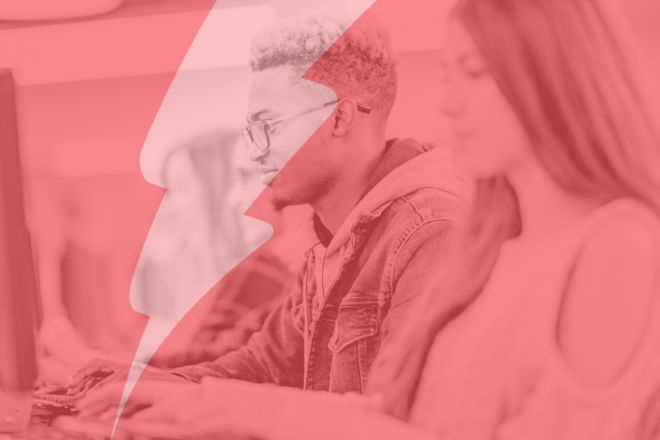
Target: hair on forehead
355, 60
298, 41
570, 73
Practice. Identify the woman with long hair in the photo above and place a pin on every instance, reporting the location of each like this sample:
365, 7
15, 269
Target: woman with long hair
548, 324
193, 235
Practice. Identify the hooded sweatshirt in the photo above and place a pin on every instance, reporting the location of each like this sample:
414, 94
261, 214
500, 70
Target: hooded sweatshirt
357, 286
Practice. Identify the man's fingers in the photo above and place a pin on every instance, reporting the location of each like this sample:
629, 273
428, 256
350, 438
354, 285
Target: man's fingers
95, 381
51, 389
87, 385
75, 390
94, 404
95, 366
106, 397
109, 394
84, 386
113, 378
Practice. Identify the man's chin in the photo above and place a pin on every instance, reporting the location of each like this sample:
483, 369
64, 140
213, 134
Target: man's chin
279, 204
279, 199
282, 194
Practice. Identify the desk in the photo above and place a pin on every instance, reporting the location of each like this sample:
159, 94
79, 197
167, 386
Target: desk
39, 429
36, 432
57, 427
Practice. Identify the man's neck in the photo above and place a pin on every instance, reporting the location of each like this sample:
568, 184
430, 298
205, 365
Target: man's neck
335, 206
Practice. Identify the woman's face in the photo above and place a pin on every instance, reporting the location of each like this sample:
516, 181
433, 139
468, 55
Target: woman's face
489, 139
185, 191
246, 187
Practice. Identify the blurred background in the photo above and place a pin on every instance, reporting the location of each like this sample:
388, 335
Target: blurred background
69, 144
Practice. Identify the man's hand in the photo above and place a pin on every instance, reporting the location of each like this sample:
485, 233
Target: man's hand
238, 409
233, 408
217, 406
91, 374
103, 402
100, 372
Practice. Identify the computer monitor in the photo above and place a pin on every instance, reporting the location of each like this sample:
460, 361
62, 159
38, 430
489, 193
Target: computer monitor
18, 291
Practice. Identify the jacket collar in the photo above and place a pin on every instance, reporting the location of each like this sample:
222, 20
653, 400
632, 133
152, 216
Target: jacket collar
392, 159
407, 166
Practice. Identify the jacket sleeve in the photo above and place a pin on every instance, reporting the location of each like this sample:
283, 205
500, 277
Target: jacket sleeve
275, 354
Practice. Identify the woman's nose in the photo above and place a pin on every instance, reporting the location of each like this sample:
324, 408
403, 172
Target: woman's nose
452, 102
234, 195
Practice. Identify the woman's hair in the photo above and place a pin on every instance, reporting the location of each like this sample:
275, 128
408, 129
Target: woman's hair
211, 157
566, 72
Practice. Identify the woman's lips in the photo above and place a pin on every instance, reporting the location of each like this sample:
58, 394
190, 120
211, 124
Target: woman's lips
462, 138
463, 134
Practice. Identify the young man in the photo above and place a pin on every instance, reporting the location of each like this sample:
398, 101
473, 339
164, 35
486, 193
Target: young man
387, 213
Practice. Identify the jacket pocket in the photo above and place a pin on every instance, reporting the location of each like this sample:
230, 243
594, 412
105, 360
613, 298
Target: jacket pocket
354, 322
353, 346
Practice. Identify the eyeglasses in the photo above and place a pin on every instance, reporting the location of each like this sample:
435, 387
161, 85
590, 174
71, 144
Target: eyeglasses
256, 133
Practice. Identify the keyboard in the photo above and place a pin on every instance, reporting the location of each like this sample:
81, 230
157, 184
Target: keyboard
58, 400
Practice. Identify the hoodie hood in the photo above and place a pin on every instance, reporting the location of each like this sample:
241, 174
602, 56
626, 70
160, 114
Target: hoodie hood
407, 166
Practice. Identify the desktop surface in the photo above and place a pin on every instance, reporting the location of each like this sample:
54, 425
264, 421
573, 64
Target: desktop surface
51, 423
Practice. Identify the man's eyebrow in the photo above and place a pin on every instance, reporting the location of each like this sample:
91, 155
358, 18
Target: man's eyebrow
255, 116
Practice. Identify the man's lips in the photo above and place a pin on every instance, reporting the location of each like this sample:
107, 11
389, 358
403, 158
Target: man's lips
267, 174
263, 169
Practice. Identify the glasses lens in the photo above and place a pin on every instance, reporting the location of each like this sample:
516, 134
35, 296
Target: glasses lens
256, 134
259, 135
247, 137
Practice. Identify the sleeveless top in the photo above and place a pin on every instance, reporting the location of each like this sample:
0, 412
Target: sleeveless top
496, 371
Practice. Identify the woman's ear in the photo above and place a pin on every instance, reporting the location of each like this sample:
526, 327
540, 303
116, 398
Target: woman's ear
344, 117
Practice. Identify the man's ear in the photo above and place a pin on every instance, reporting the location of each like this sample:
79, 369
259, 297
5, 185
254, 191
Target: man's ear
344, 117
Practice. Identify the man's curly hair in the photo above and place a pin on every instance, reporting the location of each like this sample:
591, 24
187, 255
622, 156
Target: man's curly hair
356, 63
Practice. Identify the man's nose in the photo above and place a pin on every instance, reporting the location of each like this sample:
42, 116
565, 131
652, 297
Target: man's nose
254, 153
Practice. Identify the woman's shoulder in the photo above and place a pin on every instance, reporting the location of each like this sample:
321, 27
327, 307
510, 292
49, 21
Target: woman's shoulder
621, 227
611, 290
622, 215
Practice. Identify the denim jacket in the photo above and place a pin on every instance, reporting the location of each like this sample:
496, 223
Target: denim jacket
358, 286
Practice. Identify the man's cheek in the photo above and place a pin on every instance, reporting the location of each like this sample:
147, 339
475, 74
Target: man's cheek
291, 177
289, 163
291, 154
298, 146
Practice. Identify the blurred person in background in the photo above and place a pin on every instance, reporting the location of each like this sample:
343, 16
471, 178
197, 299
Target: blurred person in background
556, 327
237, 307
81, 271
194, 238
60, 344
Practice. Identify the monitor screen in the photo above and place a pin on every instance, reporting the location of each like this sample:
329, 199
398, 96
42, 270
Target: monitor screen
18, 293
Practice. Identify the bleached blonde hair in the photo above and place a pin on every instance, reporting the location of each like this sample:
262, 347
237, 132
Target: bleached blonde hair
353, 58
